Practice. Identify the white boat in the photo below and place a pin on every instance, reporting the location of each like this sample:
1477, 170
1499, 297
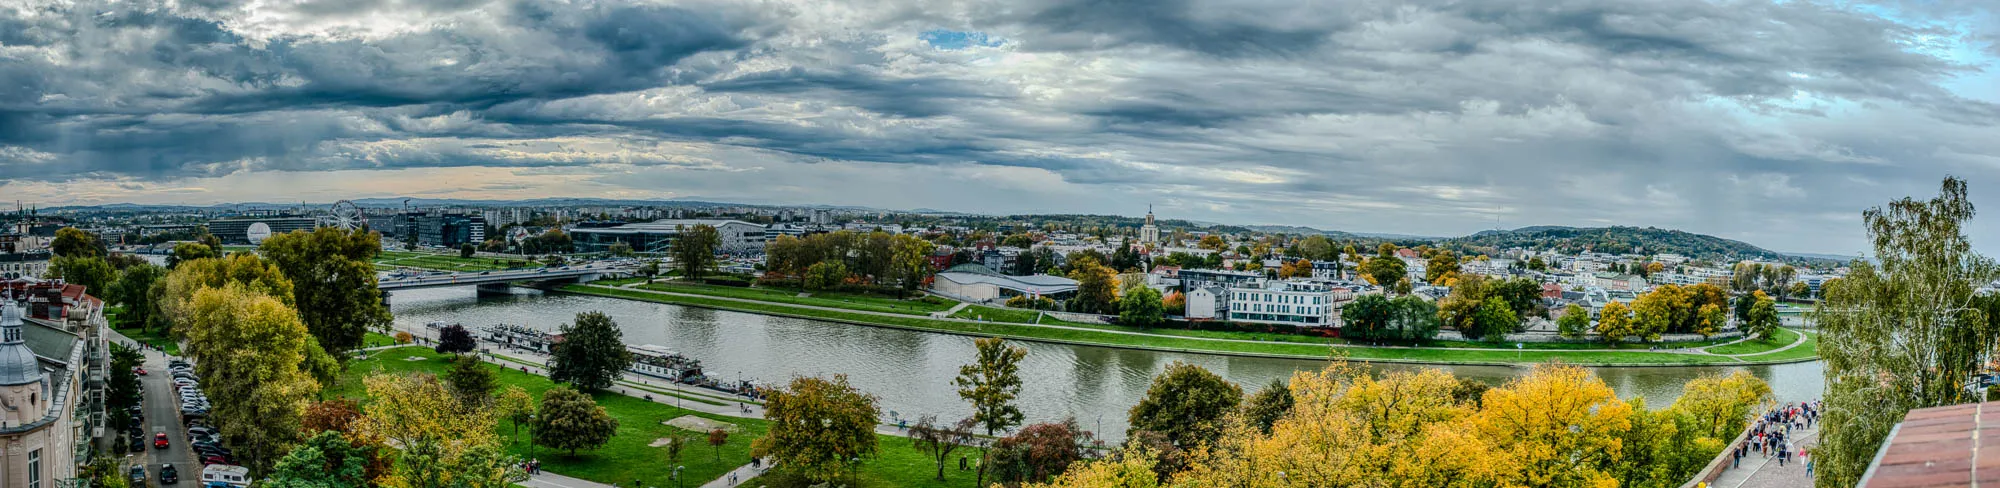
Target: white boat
660, 362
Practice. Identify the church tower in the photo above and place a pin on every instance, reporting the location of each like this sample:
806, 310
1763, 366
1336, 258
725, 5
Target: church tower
1149, 233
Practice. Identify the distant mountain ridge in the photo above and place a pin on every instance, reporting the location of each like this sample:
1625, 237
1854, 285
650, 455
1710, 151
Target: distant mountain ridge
1622, 240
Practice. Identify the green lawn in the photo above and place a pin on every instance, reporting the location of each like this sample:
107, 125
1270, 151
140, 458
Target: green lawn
982, 312
1783, 337
377, 339
154, 338
1807, 350
1156, 341
628, 457
444, 262
850, 301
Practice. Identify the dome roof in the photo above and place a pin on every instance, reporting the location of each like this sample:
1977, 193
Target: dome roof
18, 365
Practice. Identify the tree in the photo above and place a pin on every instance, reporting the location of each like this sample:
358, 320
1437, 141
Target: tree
1038, 452
911, 258
1441, 268
619, 249
1494, 319
1134, 467
991, 383
333, 277
189, 251
1901, 332
650, 269
818, 427
71, 242
471, 381
493, 245
515, 405
1384, 270
124, 388
937, 441
337, 415
716, 438
454, 339
1721, 406
1367, 317
1615, 323
1211, 242
1268, 405
1763, 317
1296, 269
1560, 425
134, 289
1711, 319
1096, 288
1575, 321
1141, 307
591, 354
571, 420
254, 358
442, 443
326, 460
1415, 319
1799, 290
94, 273
825, 275
694, 249
1187, 404
1318, 247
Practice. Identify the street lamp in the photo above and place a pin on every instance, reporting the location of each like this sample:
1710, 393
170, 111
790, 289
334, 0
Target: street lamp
677, 476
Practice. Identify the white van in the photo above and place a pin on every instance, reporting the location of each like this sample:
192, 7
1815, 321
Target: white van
223, 475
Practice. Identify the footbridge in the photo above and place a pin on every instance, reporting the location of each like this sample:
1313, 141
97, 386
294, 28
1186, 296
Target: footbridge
499, 280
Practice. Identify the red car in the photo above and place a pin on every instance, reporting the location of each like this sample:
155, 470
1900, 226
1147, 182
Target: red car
160, 440
207, 460
139, 371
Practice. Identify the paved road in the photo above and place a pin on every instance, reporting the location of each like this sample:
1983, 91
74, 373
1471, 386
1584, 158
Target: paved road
162, 406
1760, 471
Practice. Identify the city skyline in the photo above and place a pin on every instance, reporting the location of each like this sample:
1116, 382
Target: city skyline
1769, 123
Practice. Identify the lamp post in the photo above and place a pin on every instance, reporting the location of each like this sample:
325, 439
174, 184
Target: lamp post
677, 476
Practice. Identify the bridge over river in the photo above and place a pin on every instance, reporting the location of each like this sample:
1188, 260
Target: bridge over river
497, 281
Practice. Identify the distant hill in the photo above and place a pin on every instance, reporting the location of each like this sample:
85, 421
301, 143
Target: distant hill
1621, 240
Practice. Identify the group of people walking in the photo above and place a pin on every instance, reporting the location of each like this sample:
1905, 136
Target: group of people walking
1772, 437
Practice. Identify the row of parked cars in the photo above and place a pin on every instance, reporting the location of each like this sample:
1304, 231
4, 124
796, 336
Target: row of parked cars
203, 439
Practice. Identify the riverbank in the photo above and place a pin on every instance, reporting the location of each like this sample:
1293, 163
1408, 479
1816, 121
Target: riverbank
1299, 347
631, 458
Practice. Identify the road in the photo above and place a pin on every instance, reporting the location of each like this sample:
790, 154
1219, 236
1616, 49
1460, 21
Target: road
162, 407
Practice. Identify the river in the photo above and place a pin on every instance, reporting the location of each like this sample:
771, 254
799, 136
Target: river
911, 371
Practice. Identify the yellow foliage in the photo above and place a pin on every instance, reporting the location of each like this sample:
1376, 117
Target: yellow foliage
1559, 425
1132, 468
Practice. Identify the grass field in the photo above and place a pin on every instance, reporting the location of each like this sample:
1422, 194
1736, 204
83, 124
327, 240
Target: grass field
442, 262
1157, 341
1781, 338
153, 338
629, 460
850, 301
1807, 350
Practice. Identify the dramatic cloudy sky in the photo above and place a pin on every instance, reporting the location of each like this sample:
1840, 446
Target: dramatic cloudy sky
1775, 123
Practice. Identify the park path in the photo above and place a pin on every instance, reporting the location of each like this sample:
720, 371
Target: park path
1759, 471
492, 353
735, 477
1688, 352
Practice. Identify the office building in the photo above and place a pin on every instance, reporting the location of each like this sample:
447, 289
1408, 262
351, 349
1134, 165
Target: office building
450, 230
236, 230
736, 236
1300, 303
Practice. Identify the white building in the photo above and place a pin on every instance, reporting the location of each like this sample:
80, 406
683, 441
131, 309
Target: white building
1149, 233
1300, 303
1207, 303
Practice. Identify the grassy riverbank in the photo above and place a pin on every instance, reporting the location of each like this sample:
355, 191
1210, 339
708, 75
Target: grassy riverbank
629, 456
849, 301
1302, 347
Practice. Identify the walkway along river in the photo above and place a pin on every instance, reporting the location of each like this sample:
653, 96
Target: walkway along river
911, 371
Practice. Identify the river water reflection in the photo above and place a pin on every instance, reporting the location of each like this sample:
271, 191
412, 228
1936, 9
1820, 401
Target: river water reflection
911, 371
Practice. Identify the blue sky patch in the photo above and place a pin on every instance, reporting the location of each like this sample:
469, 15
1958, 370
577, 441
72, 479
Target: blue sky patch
951, 40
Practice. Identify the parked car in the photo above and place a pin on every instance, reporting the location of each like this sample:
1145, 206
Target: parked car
169, 475
139, 371
208, 460
200, 430
139, 474
138, 443
160, 440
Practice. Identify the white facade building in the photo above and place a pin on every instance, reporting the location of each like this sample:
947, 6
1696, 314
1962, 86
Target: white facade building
1298, 303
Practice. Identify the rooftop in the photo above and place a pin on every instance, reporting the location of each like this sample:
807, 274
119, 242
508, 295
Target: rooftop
1939, 446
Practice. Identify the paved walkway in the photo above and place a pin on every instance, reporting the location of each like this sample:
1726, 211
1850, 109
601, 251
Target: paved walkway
742, 474
552, 480
1762, 472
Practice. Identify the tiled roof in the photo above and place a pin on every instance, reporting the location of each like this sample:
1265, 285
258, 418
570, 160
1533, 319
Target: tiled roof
1940, 446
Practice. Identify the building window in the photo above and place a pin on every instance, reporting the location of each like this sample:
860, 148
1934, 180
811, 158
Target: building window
35, 468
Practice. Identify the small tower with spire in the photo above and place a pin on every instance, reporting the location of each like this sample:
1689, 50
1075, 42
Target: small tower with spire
21, 390
1149, 233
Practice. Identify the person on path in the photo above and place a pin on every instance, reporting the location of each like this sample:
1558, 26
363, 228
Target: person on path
1737, 454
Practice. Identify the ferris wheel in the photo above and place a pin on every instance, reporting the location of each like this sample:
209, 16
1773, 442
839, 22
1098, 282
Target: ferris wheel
346, 215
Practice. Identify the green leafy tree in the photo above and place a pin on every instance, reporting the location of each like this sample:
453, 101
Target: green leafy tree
1442, 266
124, 388
1414, 319
1575, 321
1186, 403
1141, 307
1494, 319
1800, 290
911, 258
1096, 287
1384, 270
1037, 453
592, 353
255, 359
569, 420
991, 384
819, 428
71, 242
471, 380
333, 279
1367, 317
134, 290
1762, 321
694, 250
1264, 408
515, 405
1902, 331
650, 269
189, 251
94, 273
326, 460
825, 275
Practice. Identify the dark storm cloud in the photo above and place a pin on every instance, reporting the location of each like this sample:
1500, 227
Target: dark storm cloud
1549, 111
